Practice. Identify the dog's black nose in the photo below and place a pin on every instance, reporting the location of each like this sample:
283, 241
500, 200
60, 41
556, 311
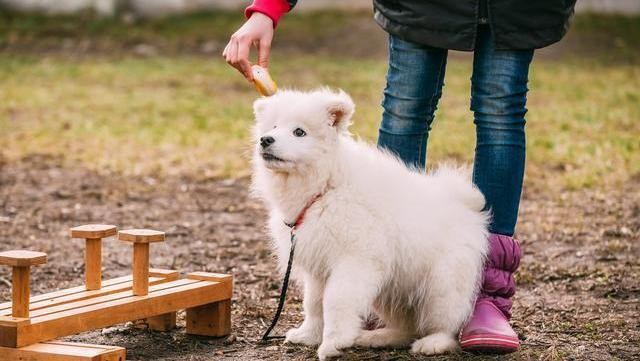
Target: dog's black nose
266, 141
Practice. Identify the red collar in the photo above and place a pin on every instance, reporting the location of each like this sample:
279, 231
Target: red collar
300, 218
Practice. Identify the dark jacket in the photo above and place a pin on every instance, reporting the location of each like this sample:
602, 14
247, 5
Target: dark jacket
452, 24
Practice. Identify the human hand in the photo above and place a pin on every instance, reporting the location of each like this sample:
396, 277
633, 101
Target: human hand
258, 31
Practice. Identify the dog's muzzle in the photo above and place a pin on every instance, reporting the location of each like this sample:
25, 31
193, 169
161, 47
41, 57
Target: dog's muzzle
266, 141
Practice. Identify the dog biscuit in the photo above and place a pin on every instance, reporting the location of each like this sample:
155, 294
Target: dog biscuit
262, 80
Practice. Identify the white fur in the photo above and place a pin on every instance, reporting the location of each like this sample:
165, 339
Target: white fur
382, 238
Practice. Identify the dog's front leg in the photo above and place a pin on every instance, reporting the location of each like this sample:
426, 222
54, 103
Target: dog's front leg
310, 332
348, 297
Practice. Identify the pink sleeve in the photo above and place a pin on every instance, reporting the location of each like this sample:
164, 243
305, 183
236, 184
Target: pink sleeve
271, 8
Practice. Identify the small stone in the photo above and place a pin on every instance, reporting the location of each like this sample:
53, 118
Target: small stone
108, 330
271, 348
229, 340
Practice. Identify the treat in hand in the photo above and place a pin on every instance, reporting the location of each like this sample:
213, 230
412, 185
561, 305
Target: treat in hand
261, 78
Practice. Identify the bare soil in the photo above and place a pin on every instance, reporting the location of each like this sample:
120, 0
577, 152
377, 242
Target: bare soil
579, 282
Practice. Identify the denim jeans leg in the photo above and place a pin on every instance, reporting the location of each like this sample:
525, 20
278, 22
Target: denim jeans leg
414, 86
498, 100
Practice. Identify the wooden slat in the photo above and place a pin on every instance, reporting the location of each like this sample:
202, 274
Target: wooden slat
208, 276
52, 302
117, 311
103, 299
68, 291
63, 351
167, 275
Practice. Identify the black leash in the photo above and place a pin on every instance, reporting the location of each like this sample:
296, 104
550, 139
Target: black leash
285, 286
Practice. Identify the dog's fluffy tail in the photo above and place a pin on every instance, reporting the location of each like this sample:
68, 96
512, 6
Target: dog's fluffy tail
459, 178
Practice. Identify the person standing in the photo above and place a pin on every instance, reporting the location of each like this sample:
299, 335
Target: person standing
502, 35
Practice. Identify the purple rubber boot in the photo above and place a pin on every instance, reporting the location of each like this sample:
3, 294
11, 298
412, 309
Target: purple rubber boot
488, 329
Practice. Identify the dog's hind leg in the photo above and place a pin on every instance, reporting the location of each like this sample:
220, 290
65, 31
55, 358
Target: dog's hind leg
398, 328
452, 285
384, 337
435, 344
349, 295
310, 332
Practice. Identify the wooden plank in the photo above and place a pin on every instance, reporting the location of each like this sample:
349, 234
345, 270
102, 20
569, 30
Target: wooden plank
213, 319
63, 351
68, 291
117, 311
107, 290
208, 276
106, 298
164, 273
161, 274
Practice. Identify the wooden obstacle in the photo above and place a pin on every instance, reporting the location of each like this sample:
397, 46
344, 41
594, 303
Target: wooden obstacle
28, 324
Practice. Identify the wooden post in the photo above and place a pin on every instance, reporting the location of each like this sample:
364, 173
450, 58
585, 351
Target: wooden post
93, 235
140, 269
93, 264
164, 322
141, 239
21, 261
213, 319
20, 292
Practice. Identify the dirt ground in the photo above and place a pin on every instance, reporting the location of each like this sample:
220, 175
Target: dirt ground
579, 283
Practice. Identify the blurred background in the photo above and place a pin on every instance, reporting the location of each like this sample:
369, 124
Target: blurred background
123, 112
139, 86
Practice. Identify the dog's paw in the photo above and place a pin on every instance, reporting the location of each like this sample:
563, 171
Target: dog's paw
303, 336
328, 350
435, 344
382, 337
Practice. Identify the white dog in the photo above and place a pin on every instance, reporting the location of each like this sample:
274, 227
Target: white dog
376, 236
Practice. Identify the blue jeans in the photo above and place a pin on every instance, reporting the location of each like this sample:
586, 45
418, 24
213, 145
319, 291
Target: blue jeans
498, 100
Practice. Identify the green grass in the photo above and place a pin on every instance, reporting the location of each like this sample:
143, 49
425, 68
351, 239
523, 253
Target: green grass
191, 114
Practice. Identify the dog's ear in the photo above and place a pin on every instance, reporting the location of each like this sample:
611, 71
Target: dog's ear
340, 109
259, 105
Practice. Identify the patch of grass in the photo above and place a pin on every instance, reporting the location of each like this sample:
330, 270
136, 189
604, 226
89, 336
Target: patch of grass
188, 114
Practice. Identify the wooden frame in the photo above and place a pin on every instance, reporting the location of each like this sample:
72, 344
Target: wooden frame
65, 351
151, 294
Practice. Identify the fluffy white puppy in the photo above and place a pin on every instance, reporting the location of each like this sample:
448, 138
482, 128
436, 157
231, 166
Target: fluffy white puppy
377, 236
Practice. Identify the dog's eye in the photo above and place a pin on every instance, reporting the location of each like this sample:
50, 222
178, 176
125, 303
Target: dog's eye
299, 132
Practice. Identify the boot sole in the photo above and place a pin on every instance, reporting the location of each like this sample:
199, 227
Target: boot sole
490, 344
